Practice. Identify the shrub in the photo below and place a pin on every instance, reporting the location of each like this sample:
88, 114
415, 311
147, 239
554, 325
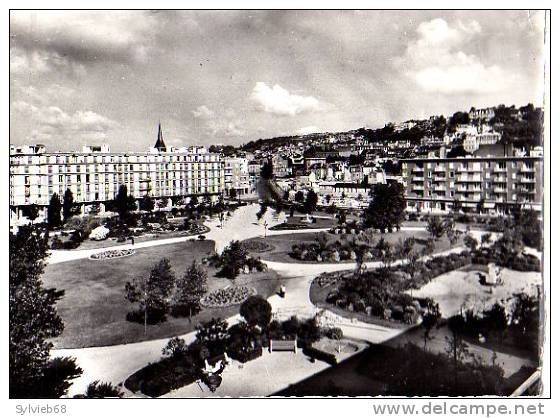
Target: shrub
315, 353
334, 333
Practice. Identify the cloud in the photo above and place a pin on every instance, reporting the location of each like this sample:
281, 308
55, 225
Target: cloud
38, 62
83, 36
279, 101
437, 62
51, 122
203, 112
308, 130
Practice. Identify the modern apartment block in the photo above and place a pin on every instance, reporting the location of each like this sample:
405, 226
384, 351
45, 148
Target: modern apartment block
236, 176
491, 184
95, 175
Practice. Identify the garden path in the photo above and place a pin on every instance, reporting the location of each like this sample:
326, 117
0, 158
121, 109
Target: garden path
115, 363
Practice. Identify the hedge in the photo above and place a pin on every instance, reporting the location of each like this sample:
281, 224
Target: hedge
317, 354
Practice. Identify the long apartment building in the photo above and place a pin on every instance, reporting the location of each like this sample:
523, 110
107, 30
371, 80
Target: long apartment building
95, 175
492, 184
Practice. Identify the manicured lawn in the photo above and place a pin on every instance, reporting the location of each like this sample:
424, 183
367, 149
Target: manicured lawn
283, 244
94, 307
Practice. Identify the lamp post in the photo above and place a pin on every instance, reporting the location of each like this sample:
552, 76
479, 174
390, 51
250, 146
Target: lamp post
265, 224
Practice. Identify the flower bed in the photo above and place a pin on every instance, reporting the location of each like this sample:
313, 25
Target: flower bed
289, 226
228, 296
109, 254
257, 246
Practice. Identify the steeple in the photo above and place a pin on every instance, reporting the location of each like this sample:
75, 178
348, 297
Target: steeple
160, 145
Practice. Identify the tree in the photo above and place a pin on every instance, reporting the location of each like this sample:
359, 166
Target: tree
232, 260
33, 320
32, 212
299, 197
152, 293
147, 203
470, 242
256, 311
311, 200
189, 290
97, 390
124, 203
435, 227
213, 335
232, 193
176, 347
386, 210
68, 208
53, 213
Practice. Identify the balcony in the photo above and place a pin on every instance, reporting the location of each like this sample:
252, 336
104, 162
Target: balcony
439, 178
418, 179
527, 169
527, 180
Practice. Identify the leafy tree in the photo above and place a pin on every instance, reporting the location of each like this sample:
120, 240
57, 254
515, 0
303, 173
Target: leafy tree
176, 347
435, 227
53, 214
213, 335
124, 203
97, 390
232, 260
530, 228
31, 212
450, 231
496, 320
147, 203
68, 207
311, 200
299, 197
508, 246
33, 320
189, 290
470, 242
386, 210
152, 293
256, 311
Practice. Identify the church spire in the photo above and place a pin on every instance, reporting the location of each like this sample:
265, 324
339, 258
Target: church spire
160, 145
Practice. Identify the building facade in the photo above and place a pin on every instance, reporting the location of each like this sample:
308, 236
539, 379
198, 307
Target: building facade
95, 175
489, 184
236, 176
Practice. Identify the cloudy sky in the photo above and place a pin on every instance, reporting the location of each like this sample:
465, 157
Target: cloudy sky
232, 76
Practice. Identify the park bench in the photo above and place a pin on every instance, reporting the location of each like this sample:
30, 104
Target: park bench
283, 345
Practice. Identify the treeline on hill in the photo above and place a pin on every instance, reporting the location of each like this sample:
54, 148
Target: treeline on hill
520, 126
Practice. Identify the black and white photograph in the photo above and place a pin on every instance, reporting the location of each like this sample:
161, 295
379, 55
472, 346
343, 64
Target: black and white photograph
278, 204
